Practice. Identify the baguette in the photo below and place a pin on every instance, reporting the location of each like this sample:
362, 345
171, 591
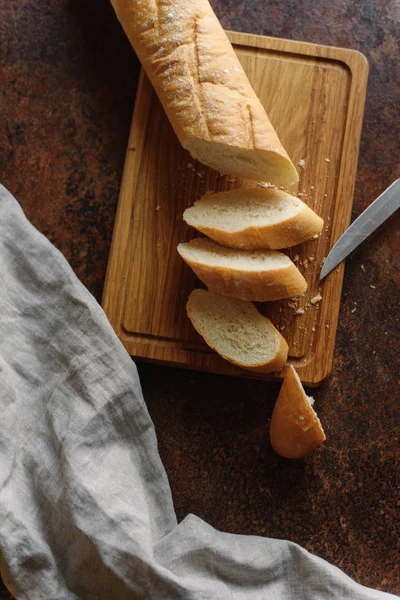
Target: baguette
200, 82
254, 219
295, 429
253, 276
237, 331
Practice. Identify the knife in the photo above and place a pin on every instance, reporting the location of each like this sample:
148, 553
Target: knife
369, 220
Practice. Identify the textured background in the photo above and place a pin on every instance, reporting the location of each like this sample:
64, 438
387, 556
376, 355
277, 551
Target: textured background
68, 80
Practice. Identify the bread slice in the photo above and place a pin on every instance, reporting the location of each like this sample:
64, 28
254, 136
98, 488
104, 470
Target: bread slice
295, 429
254, 219
202, 86
237, 331
259, 275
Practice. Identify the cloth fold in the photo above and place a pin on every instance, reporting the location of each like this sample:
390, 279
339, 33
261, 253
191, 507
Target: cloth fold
85, 505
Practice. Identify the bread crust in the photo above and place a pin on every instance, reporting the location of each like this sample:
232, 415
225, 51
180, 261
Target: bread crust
270, 366
202, 86
289, 232
295, 429
254, 286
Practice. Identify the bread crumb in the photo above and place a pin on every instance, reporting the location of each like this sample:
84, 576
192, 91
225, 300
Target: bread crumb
158, 207
316, 299
300, 311
305, 263
301, 418
296, 258
325, 195
312, 328
353, 310
300, 194
190, 166
362, 268
311, 258
315, 236
373, 286
328, 160
302, 163
312, 187
327, 326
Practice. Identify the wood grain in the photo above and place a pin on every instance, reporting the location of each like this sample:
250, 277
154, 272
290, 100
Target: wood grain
315, 98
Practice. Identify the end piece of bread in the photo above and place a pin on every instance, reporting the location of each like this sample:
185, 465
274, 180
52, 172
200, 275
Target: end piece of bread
201, 84
254, 276
253, 219
295, 429
237, 331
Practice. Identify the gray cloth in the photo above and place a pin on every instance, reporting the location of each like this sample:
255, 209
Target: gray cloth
85, 506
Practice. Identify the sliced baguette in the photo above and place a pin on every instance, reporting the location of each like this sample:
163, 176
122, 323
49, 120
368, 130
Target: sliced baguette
202, 86
254, 276
237, 331
295, 429
254, 219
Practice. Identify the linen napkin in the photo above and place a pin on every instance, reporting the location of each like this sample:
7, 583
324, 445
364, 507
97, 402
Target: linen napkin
85, 506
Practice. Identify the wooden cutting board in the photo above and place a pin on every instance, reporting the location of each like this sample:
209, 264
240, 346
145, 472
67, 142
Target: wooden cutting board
314, 96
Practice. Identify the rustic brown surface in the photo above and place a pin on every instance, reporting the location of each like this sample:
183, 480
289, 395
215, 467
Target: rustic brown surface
316, 85
68, 84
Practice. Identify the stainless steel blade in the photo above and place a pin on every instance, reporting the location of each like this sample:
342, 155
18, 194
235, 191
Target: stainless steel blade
369, 220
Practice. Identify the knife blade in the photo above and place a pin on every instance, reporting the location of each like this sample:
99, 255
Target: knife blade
369, 220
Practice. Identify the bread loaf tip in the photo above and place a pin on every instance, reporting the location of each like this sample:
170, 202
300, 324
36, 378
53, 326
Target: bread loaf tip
295, 430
